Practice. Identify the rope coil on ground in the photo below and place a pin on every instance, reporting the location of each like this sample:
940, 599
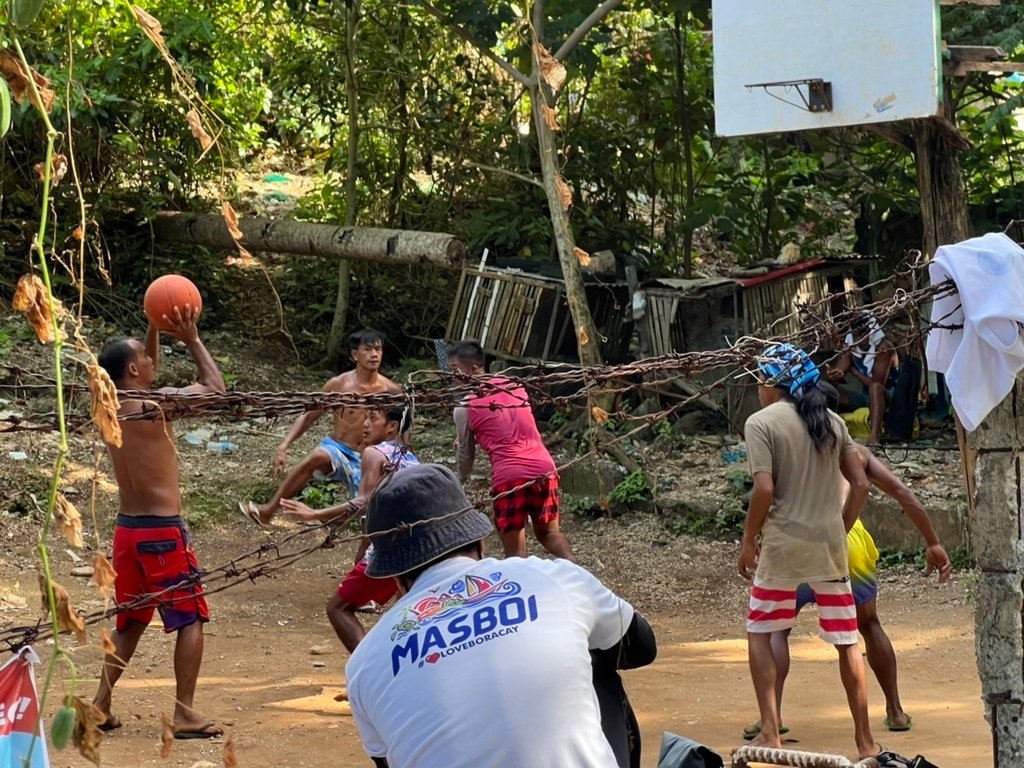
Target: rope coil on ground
744, 756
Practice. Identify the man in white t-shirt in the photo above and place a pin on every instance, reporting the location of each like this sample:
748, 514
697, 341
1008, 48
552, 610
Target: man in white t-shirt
481, 662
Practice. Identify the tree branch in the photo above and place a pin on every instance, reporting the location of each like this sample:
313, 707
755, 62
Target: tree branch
513, 174
595, 18
512, 72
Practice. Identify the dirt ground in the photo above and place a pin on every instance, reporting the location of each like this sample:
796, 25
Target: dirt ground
260, 678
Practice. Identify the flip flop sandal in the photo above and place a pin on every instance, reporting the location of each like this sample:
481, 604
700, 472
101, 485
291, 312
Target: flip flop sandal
752, 730
896, 726
201, 733
112, 723
250, 511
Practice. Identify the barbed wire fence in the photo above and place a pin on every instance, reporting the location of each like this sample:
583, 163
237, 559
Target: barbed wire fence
822, 330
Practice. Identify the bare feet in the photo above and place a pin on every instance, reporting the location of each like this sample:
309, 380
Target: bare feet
871, 751
763, 741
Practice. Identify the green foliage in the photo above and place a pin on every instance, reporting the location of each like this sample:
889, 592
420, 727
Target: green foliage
578, 505
323, 493
634, 488
959, 557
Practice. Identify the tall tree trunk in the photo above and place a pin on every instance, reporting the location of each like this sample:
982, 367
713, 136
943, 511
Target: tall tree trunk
588, 342
940, 184
353, 12
402, 166
686, 139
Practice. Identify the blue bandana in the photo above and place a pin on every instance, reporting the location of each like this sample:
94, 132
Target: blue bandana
786, 366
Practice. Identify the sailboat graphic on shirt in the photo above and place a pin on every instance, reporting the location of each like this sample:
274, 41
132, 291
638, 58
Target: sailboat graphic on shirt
469, 591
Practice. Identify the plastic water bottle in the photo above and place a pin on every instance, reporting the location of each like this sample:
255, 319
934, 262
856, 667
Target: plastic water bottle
221, 446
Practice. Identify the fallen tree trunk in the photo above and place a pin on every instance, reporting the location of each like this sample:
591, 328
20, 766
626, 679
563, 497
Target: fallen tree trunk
389, 246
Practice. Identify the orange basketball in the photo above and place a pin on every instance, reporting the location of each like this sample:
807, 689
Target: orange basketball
167, 292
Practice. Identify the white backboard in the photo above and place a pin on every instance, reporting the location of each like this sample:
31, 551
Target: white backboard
882, 58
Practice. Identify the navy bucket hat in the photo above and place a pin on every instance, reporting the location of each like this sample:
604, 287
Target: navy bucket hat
418, 515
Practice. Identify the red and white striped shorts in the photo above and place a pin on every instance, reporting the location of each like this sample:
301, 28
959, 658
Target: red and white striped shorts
773, 608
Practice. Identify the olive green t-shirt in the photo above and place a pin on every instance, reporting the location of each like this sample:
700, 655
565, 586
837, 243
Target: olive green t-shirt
804, 538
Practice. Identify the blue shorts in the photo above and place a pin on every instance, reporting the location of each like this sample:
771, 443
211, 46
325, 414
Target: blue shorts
344, 463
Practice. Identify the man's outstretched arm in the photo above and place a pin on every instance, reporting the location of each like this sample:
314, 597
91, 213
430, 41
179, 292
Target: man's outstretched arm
889, 484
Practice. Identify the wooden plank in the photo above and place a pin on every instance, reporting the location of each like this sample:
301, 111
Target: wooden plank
533, 297
961, 68
457, 305
975, 52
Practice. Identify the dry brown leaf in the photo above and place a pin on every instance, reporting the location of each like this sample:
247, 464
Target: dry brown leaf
30, 299
550, 117
69, 521
68, 619
581, 335
17, 81
195, 123
229, 756
87, 735
600, 415
107, 642
151, 27
231, 219
103, 574
58, 169
166, 736
564, 193
552, 71
581, 256
104, 404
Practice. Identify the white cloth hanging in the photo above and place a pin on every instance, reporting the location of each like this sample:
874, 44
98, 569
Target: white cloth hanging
981, 360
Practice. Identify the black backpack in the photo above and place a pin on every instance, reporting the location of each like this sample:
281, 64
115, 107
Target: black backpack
902, 408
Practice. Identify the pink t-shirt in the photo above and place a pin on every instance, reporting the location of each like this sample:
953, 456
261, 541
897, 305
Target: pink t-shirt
501, 421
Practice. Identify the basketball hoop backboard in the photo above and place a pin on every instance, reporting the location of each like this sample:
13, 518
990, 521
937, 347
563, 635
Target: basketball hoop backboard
793, 65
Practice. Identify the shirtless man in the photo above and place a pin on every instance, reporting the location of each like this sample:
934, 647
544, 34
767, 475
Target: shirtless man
338, 454
151, 546
385, 452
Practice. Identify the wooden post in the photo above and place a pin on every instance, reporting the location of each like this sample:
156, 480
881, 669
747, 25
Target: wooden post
994, 528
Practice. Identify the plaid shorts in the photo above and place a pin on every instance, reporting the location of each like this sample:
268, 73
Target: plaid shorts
538, 501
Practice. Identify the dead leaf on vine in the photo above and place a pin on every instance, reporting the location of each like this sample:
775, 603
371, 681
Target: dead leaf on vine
68, 521
151, 27
231, 219
107, 642
581, 256
552, 71
195, 123
18, 82
31, 300
104, 404
564, 193
600, 415
166, 736
229, 756
550, 117
58, 169
103, 574
581, 334
87, 735
68, 619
